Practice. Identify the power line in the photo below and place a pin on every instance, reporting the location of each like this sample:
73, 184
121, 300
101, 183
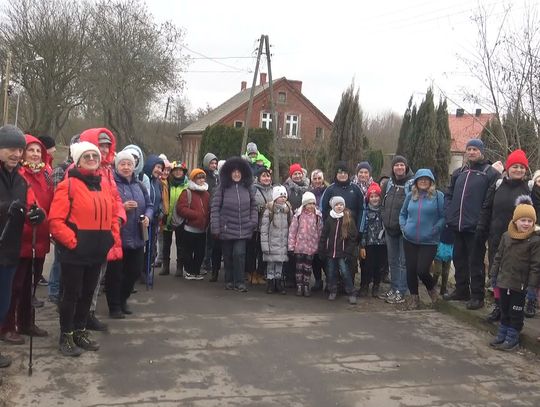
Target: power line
212, 58
216, 61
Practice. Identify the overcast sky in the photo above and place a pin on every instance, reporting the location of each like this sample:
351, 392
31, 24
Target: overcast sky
392, 48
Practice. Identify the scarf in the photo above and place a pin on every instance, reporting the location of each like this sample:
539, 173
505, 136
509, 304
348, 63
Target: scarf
336, 215
516, 234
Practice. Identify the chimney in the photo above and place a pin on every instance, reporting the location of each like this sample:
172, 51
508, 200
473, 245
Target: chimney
478, 112
262, 78
460, 112
243, 85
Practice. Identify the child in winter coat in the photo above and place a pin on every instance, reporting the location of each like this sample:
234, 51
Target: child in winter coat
516, 266
373, 243
274, 232
304, 235
337, 244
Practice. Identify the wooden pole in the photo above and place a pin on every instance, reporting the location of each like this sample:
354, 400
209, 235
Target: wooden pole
273, 112
6, 85
252, 93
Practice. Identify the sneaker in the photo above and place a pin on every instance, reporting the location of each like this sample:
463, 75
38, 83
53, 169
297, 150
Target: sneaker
34, 330
332, 296
82, 339
188, 276
396, 299
241, 288
43, 282
94, 324
117, 314
229, 286
352, 299
387, 295
67, 346
204, 272
199, 276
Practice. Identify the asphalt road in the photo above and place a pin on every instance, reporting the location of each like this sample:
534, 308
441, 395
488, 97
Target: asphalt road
192, 343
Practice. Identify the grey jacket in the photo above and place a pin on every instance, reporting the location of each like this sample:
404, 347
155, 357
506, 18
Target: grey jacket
263, 195
275, 232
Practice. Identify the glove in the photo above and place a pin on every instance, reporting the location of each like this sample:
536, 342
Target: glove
362, 253
35, 215
16, 209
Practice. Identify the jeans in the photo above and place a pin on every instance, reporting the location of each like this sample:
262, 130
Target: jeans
396, 263
341, 265
54, 275
6, 279
418, 258
234, 257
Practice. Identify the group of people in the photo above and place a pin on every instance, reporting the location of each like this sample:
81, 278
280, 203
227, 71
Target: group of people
112, 216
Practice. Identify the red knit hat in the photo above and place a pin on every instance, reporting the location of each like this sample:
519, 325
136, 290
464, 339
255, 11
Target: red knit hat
293, 168
516, 157
374, 188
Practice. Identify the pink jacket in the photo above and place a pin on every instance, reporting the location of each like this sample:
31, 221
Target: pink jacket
305, 232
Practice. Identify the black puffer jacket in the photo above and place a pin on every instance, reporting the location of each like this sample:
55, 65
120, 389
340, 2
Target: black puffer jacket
234, 210
295, 191
351, 193
466, 193
394, 192
332, 245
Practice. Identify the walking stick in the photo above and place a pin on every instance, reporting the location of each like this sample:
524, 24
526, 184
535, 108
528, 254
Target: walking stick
32, 294
149, 268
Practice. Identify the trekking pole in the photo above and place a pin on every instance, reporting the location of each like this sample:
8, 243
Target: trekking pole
32, 295
149, 276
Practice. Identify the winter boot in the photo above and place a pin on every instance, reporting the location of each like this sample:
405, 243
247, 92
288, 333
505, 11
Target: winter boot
512, 340
67, 346
82, 339
375, 291
280, 286
166, 268
179, 269
94, 324
352, 299
530, 308
214, 277
501, 336
364, 291
307, 291
299, 290
318, 286
434, 295
332, 296
495, 313
125, 308
269, 286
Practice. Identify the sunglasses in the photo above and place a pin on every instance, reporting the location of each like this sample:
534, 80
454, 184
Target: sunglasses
90, 156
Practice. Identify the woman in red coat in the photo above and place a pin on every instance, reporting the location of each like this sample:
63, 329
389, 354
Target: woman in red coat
83, 220
36, 172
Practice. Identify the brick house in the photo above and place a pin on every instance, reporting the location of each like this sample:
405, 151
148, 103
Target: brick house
463, 127
300, 123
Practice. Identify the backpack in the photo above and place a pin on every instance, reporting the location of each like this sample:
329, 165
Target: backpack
498, 183
390, 183
177, 220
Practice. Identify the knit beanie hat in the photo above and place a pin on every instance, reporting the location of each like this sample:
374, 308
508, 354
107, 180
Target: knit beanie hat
262, 170
293, 168
103, 138
252, 148
477, 143
516, 157
166, 162
78, 149
195, 172
363, 165
374, 188
335, 200
308, 198
124, 155
524, 208
278, 191
47, 141
536, 175
342, 166
11, 137
399, 159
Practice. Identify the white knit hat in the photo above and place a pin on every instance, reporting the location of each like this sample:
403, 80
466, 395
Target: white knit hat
124, 155
335, 200
536, 175
78, 149
308, 198
278, 191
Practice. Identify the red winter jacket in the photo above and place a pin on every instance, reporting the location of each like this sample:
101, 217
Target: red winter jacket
107, 174
196, 213
84, 218
41, 185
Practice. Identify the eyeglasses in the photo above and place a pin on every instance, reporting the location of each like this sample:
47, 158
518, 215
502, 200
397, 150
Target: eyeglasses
201, 176
317, 178
90, 156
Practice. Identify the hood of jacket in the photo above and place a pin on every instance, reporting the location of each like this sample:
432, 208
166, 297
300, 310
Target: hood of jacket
151, 162
424, 172
207, 158
31, 139
92, 135
235, 163
139, 167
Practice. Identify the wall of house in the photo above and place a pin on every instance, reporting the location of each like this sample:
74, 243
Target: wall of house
190, 150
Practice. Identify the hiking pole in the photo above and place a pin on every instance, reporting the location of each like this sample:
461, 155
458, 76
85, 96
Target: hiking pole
32, 295
149, 276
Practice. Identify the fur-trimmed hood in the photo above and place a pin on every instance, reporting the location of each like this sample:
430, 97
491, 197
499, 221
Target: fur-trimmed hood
233, 163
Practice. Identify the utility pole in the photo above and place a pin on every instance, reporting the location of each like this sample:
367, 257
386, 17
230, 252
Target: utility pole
263, 41
6, 85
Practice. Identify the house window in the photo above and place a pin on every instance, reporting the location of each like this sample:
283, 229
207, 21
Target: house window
319, 133
291, 126
282, 97
266, 120
238, 124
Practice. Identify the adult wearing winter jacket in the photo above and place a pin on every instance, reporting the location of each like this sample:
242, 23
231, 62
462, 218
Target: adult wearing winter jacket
363, 176
210, 163
421, 220
138, 172
122, 274
234, 218
296, 185
36, 171
497, 211
463, 203
317, 186
394, 190
106, 143
194, 206
84, 241
15, 199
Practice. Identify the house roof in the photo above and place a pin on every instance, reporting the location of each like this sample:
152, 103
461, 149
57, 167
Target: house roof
466, 127
225, 108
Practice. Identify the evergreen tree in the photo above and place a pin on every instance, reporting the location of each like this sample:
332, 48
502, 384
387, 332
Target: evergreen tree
346, 141
403, 140
444, 141
425, 137
495, 146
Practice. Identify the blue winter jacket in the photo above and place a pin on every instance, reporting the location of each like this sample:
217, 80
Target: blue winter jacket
133, 190
155, 184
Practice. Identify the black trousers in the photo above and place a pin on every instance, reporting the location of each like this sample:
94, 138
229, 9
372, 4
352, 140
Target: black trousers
468, 258
193, 247
167, 243
254, 255
374, 265
318, 267
216, 255
418, 259
79, 283
113, 285
512, 303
